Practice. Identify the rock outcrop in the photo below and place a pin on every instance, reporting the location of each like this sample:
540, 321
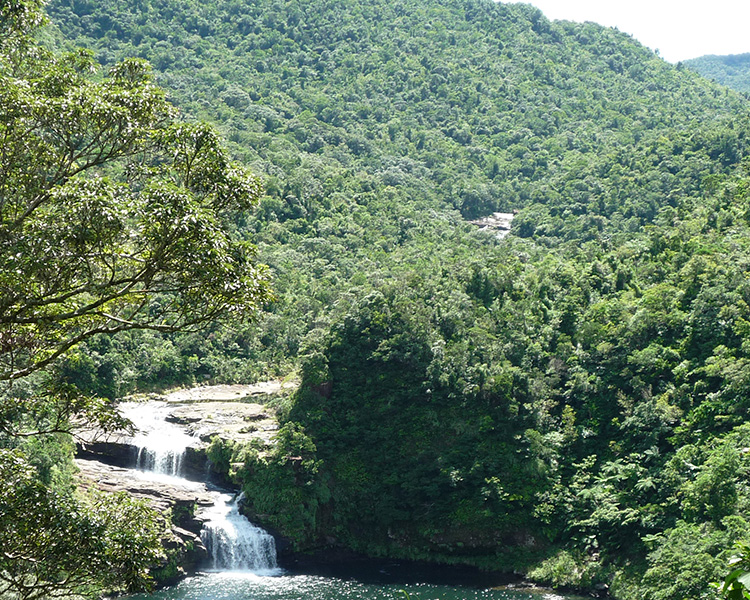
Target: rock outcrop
498, 223
179, 503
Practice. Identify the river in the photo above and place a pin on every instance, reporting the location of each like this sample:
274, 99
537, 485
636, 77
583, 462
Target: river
248, 586
243, 556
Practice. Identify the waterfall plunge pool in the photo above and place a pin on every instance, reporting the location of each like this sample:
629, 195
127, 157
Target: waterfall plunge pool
244, 555
352, 579
234, 585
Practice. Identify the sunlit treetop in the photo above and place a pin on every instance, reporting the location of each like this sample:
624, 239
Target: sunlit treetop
114, 214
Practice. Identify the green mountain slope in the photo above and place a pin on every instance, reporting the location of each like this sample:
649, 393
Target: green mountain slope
390, 110
732, 71
567, 401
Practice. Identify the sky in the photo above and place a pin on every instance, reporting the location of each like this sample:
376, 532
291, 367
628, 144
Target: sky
679, 29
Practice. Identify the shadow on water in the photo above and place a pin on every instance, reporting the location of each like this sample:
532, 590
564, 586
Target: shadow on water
395, 572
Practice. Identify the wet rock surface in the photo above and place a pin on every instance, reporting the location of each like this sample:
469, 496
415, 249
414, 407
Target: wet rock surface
180, 503
168, 445
231, 412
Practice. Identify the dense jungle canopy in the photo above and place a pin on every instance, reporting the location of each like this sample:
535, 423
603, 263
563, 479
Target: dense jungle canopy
732, 70
569, 401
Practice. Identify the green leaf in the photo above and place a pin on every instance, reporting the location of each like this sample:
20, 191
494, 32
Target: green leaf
744, 579
731, 578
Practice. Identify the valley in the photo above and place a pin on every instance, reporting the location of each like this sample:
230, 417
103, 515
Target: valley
473, 284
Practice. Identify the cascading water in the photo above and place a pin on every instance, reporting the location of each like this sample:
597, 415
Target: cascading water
161, 445
233, 542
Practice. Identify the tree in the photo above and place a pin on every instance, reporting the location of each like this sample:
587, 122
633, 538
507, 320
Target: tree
114, 216
106, 202
55, 545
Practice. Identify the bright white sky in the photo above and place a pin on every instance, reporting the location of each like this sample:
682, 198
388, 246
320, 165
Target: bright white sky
679, 29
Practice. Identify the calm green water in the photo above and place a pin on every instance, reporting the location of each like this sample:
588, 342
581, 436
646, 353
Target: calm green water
246, 586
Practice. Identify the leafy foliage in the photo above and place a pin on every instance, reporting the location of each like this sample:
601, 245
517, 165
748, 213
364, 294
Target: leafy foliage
574, 393
56, 546
736, 585
115, 216
83, 253
375, 133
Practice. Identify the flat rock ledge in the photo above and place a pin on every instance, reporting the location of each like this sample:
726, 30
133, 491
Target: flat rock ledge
161, 495
184, 502
256, 392
232, 412
238, 421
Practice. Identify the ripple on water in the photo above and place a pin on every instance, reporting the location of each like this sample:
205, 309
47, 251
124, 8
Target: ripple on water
253, 586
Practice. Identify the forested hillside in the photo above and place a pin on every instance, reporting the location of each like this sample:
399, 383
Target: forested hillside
568, 401
365, 118
732, 71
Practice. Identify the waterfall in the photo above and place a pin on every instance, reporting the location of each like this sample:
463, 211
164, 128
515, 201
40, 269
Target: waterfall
162, 462
233, 542
161, 445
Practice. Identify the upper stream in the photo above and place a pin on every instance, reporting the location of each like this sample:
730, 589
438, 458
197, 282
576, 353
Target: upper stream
161, 444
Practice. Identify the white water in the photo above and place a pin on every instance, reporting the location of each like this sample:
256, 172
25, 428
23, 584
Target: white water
161, 445
233, 543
